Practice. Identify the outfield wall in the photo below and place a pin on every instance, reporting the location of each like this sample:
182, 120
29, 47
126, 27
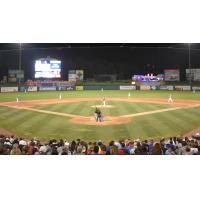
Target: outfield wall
98, 87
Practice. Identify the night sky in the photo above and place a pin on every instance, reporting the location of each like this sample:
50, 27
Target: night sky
122, 59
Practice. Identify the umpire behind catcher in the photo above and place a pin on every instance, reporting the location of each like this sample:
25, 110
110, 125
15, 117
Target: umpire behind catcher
98, 115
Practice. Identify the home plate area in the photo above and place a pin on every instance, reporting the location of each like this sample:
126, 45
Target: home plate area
108, 120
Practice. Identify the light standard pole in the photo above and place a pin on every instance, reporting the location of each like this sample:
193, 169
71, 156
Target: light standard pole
190, 64
20, 59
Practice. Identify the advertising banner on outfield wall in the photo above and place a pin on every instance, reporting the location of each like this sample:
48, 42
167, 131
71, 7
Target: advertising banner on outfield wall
153, 87
166, 87
196, 88
22, 88
100, 87
79, 87
127, 87
47, 88
184, 87
65, 88
28, 89
9, 89
145, 87
32, 89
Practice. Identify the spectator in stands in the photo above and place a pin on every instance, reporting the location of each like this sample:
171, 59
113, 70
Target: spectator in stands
171, 146
156, 150
114, 150
16, 150
95, 150
170, 151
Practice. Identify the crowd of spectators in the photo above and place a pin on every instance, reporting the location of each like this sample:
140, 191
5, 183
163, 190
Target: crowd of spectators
171, 146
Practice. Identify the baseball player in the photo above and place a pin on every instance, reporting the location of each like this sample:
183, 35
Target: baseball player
60, 97
98, 115
104, 101
17, 99
129, 94
170, 100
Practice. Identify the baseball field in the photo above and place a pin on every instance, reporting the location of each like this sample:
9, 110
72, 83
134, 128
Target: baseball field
144, 115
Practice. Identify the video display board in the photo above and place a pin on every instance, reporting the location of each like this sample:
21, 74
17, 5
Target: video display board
47, 68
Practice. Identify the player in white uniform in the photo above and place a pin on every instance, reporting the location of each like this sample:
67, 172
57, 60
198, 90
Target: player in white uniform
129, 94
104, 101
170, 100
17, 99
60, 96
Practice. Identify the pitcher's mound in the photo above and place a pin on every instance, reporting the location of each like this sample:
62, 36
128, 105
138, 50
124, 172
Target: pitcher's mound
109, 120
102, 106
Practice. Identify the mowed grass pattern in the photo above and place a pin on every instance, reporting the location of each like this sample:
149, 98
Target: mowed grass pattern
44, 126
118, 109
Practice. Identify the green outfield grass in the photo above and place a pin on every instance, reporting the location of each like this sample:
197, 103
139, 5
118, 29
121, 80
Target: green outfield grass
118, 109
106, 93
44, 126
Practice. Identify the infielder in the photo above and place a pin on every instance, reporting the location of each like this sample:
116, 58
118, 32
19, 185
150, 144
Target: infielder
170, 100
17, 99
60, 97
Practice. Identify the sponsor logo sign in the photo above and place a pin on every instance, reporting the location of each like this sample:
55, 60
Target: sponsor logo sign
185, 87
166, 87
32, 89
196, 88
64, 88
145, 87
153, 87
127, 87
9, 89
47, 88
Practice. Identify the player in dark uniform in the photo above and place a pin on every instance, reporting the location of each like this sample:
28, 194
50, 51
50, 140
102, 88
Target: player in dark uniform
98, 115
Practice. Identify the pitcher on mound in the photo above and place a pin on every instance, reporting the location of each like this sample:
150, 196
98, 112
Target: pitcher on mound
104, 101
170, 100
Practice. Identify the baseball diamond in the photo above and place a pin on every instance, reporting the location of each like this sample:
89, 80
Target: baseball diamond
146, 112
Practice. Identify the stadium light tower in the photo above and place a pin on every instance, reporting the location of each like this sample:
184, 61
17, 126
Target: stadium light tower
20, 56
189, 55
20, 59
